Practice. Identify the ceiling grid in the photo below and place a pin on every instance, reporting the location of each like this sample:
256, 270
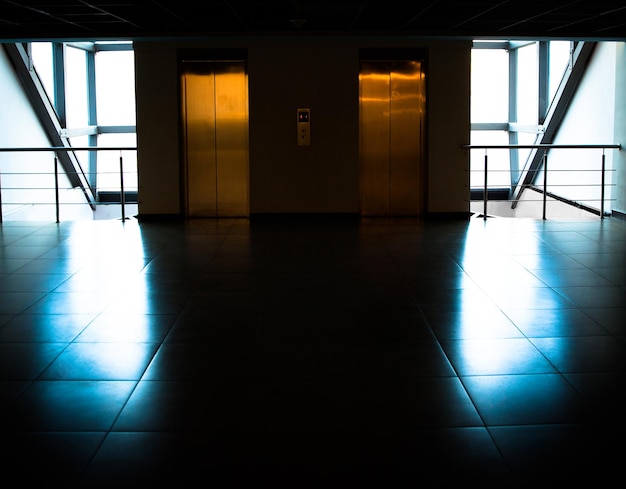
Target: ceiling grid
496, 19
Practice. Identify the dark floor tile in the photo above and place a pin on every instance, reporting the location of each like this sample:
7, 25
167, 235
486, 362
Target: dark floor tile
18, 302
514, 298
198, 406
101, 361
584, 354
601, 260
496, 356
45, 328
453, 299
611, 318
224, 301
550, 261
283, 405
526, 399
602, 391
10, 389
286, 458
313, 353
425, 402
26, 361
10, 265
69, 303
494, 280
562, 453
194, 361
5, 318
49, 458
68, 265
537, 323
69, 405
399, 359
575, 277
144, 302
123, 328
616, 274
100, 283
475, 323
31, 282
138, 458
406, 458
585, 296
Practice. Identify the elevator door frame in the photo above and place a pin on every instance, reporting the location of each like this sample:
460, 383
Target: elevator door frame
392, 184
226, 174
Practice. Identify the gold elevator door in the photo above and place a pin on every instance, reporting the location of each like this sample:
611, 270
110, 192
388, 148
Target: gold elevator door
215, 138
391, 136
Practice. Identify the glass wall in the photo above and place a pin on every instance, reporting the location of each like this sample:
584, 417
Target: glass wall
92, 89
513, 85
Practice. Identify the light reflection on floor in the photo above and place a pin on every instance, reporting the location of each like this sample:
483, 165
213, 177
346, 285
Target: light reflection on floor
313, 353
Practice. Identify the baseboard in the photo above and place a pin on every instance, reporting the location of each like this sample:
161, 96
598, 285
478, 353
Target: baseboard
158, 217
304, 216
619, 215
448, 216
309, 217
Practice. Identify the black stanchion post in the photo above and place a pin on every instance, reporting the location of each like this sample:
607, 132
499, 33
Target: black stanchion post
122, 197
485, 190
545, 181
602, 187
56, 185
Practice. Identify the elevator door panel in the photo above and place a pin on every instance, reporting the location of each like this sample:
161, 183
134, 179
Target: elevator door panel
215, 121
391, 138
374, 139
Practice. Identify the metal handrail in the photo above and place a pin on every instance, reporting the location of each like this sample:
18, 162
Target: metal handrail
545, 147
542, 146
56, 170
68, 148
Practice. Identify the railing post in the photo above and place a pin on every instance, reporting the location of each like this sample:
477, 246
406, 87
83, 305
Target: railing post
56, 185
122, 198
602, 186
0, 200
485, 191
545, 181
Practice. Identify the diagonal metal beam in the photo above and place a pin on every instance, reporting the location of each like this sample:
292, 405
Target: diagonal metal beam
565, 93
49, 120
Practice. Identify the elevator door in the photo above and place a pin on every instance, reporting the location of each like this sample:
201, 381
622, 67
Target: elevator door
215, 138
391, 135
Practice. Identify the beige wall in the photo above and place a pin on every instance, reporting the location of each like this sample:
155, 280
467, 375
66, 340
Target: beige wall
285, 74
157, 129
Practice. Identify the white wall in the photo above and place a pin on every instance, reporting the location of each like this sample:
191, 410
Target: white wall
590, 119
27, 178
619, 130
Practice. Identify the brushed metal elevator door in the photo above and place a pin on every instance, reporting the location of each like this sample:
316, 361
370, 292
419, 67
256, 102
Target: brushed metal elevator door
215, 138
391, 135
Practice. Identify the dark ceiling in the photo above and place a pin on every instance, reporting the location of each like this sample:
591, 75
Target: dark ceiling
170, 19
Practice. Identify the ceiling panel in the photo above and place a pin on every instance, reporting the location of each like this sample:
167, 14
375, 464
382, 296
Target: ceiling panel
119, 19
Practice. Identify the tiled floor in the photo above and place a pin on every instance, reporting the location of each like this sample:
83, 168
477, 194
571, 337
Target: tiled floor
313, 353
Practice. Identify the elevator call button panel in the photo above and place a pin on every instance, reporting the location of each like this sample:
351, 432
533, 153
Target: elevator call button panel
304, 127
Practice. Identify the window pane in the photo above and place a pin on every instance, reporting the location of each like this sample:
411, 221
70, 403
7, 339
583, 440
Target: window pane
524, 153
42, 60
109, 163
498, 162
527, 85
81, 156
115, 88
490, 85
76, 87
559, 61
